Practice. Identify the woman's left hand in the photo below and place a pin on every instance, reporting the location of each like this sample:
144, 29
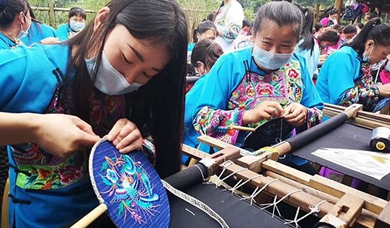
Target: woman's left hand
295, 114
125, 136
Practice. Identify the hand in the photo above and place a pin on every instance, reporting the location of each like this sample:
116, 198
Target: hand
384, 90
295, 114
125, 136
61, 135
266, 110
50, 40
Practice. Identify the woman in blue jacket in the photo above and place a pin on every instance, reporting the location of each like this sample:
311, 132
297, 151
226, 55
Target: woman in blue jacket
345, 78
123, 77
250, 86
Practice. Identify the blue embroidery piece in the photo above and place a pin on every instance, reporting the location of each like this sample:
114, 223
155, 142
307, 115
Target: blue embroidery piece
129, 186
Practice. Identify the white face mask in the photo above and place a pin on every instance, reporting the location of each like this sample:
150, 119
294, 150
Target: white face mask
108, 80
23, 33
269, 60
366, 58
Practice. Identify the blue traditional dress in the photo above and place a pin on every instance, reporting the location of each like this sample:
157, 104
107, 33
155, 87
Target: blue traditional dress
5, 42
64, 32
345, 79
38, 32
236, 84
48, 191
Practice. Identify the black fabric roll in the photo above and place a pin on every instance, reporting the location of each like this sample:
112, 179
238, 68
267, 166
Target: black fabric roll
317, 131
188, 177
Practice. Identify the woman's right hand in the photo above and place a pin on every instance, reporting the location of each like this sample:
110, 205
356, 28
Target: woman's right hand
266, 110
61, 135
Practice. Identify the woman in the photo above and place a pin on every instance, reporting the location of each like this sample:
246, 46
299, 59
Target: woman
307, 47
123, 75
15, 21
76, 23
250, 86
329, 42
345, 77
205, 54
331, 19
39, 32
228, 20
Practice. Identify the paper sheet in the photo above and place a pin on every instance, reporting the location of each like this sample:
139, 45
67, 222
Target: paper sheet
373, 164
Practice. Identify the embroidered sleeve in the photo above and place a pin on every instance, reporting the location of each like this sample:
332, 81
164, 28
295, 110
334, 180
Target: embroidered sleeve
215, 123
314, 117
367, 96
231, 33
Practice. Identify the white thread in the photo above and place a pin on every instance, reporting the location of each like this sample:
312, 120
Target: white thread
257, 191
225, 165
190, 212
232, 174
201, 172
313, 210
237, 186
275, 203
196, 203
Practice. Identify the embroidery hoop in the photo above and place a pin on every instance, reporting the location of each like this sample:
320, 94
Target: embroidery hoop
128, 187
265, 134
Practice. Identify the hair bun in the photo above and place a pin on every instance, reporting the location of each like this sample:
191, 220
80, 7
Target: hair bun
3, 4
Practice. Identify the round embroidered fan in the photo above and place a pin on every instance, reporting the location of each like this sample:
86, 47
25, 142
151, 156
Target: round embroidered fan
129, 186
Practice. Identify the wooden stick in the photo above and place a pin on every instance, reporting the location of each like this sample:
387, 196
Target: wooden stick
241, 128
91, 216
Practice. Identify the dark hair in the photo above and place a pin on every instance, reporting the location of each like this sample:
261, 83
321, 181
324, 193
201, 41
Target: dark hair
9, 9
349, 29
78, 12
203, 27
379, 33
329, 35
246, 23
210, 17
333, 11
318, 26
207, 52
360, 25
370, 15
159, 104
282, 13
307, 30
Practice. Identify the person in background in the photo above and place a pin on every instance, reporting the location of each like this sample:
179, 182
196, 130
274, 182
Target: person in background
251, 86
329, 41
204, 55
345, 77
205, 30
39, 32
124, 75
244, 38
368, 17
359, 27
307, 47
347, 34
330, 19
15, 22
228, 20
76, 23
318, 29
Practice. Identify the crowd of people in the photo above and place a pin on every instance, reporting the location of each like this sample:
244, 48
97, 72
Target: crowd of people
122, 76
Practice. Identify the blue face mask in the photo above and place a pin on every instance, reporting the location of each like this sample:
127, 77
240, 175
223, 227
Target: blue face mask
366, 58
77, 26
269, 60
23, 33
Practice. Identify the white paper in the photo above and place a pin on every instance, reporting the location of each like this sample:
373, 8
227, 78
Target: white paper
373, 164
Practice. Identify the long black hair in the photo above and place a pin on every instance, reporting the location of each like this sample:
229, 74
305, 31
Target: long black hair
379, 33
307, 30
160, 103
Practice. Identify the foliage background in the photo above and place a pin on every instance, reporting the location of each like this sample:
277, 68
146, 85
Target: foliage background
196, 10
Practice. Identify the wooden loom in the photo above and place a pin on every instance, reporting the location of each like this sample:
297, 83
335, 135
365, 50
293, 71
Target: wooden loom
350, 207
